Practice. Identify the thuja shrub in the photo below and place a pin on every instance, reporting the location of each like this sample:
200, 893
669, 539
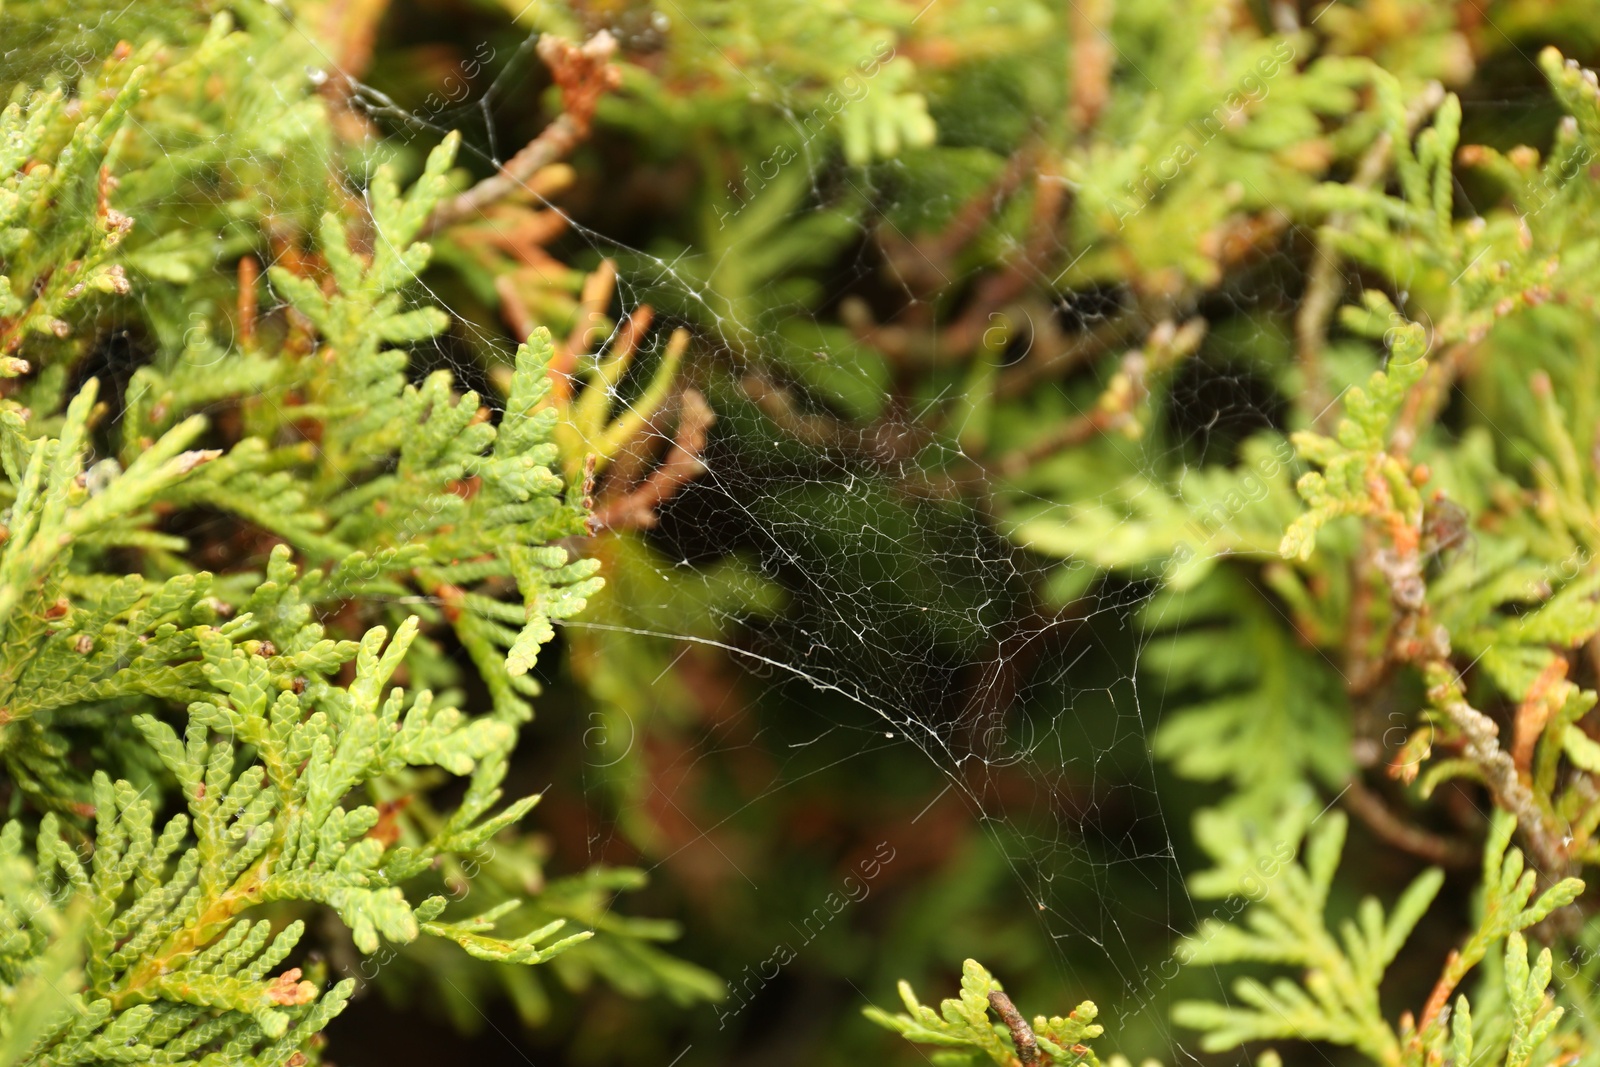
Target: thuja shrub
1422, 541
250, 578
1377, 602
247, 587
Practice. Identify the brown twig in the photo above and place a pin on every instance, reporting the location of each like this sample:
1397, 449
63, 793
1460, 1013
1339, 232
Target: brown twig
1417, 638
1019, 273
979, 211
1369, 807
1080, 349
1092, 60
1021, 1033
598, 287
1166, 343
513, 308
630, 333
528, 233
1439, 996
351, 27
1544, 699
349, 31
584, 74
1069, 434
1429, 397
1363, 669
924, 266
1482, 747
249, 271
638, 508
777, 403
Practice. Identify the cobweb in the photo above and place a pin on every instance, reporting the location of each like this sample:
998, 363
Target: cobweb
908, 628
907, 644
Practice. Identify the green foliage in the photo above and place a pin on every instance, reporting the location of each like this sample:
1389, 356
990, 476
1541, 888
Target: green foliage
171, 966
1424, 597
959, 283
257, 699
1337, 1001
1272, 715
1358, 477
43, 205
818, 66
964, 1023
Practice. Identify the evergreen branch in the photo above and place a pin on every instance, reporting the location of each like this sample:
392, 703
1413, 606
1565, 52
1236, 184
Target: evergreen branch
963, 1023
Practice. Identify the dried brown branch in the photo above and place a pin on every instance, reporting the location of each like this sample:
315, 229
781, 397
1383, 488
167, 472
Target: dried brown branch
1439, 997
592, 303
1092, 59
1429, 397
249, 271
1481, 745
925, 266
598, 287
979, 211
1021, 1033
1364, 666
631, 332
1369, 807
1114, 333
1115, 410
513, 309
1020, 273
1067, 435
777, 403
1417, 638
638, 508
348, 30
584, 74
1544, 699
527, 233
